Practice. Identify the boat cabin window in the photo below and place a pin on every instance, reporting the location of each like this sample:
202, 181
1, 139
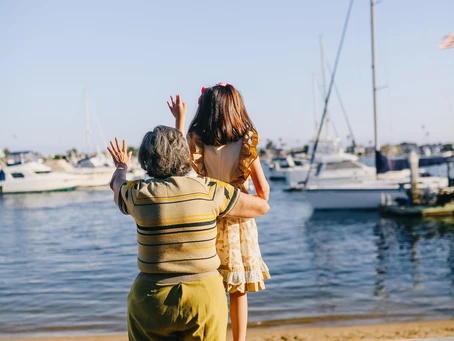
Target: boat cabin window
2, 175
298, 163
341, 165
18, 158
17, 175
43, 172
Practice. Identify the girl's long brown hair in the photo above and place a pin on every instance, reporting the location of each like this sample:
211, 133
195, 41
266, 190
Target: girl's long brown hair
221, 116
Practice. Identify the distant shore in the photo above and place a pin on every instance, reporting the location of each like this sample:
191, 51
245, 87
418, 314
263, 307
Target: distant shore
369, 332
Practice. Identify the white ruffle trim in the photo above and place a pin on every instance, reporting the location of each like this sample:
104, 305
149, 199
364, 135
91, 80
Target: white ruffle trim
238, 278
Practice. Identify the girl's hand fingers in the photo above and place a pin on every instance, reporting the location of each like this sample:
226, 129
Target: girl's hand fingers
118, 144
124, 146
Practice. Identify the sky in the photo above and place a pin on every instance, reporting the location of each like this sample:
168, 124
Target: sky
130, 56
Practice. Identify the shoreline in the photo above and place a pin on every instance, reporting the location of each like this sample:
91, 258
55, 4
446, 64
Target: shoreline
291, 330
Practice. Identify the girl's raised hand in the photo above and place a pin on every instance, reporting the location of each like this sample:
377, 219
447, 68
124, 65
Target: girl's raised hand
119, 155
178, 109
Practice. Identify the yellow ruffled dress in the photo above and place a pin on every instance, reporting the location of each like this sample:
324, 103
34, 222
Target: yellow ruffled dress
237, 242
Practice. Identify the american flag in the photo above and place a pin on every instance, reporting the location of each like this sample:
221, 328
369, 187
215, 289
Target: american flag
447, 43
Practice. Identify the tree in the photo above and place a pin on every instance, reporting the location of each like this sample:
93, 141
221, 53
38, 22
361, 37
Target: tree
269, 144
134, 150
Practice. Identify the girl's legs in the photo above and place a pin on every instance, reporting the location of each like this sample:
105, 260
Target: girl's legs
238, 315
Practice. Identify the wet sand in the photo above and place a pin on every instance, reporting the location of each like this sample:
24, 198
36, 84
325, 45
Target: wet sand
375, 332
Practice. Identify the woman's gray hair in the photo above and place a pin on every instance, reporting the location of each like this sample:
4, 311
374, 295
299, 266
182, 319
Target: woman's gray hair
164, 152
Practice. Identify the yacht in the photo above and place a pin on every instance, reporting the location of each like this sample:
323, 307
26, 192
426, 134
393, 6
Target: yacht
22, 172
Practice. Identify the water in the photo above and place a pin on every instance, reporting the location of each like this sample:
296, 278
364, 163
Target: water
67, 261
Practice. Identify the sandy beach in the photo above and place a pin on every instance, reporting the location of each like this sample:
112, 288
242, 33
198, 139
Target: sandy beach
391, 331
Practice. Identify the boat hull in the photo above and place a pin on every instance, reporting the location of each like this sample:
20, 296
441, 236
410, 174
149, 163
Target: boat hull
369, 195
37, 186
345, 199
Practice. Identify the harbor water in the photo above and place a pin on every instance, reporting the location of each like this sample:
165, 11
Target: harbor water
67, 261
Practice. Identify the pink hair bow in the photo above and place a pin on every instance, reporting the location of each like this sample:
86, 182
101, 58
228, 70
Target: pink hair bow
219, 84
203, 90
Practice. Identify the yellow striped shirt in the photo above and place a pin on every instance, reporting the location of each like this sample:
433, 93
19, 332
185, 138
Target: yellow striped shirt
176, 221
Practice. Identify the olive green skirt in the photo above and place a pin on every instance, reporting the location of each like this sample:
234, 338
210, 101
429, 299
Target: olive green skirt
190, 310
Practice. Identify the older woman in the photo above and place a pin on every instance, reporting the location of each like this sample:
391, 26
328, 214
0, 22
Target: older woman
178, 294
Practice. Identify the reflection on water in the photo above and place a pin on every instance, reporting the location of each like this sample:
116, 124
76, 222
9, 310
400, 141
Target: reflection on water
418, 253
68, 260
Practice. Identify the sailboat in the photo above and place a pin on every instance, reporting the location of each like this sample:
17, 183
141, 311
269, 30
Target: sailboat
95, 170
331, 164
369, 193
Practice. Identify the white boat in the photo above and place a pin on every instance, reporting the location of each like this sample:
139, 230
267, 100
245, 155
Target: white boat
329, 169
365, 195
279, 167
22, 173
95, 171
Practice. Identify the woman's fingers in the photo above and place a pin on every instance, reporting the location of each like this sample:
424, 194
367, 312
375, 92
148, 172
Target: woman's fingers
113, 147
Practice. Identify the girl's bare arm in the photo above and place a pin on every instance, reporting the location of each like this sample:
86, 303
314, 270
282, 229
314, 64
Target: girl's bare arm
261, 185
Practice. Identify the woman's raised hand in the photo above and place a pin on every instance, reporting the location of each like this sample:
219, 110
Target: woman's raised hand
119, 155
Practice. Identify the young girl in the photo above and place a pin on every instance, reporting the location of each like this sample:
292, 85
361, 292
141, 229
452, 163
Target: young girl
223, 145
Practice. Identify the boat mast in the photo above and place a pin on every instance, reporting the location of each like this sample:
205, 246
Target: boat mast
325, 90
87, 123
374, 86
315, 99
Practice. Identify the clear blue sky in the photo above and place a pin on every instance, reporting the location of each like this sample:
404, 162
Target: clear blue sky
131, 55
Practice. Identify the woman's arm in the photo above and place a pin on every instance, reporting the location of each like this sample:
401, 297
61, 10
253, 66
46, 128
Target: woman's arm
121, 158
249, 206
261, 185
178, 109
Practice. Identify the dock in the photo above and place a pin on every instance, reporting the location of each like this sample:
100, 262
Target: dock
418, 210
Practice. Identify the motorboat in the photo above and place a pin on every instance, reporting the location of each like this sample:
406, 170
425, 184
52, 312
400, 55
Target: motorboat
367, 194
280, 166
22, 172
95, 171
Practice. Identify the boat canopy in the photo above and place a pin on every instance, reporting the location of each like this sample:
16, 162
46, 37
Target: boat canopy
385, 164
18, 158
